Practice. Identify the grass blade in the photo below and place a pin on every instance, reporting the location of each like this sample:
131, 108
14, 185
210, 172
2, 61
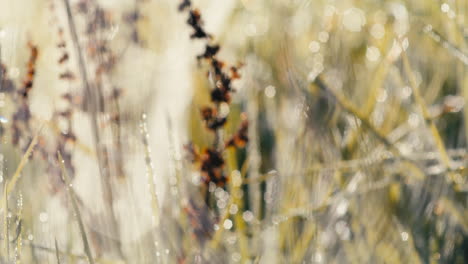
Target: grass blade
150, 171
5, 222
57, 252
24, 160
10, 185
76, 210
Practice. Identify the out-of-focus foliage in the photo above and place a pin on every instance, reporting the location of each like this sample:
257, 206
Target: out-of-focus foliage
357, 128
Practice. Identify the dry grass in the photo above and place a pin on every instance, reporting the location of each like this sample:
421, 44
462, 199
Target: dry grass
357, 135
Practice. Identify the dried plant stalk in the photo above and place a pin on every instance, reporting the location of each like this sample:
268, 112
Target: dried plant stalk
72, 195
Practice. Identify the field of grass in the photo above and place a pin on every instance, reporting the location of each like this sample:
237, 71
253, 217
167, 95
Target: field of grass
233, 131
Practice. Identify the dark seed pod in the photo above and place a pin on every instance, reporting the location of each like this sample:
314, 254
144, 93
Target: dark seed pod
240, 138
212, 167
210, 51
68, 75
184, 5
64, 58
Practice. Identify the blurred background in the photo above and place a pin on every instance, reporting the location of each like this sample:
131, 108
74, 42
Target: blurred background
357, 139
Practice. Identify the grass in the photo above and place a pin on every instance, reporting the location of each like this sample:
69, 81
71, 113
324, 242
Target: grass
76, 210
357, 136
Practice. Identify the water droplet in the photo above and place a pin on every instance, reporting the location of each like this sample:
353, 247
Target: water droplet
316, 70
43, 217
445, 7
341, 228
395, 51
382, 97
318, 257
236, 257
248, 216
3, 120
223, 109
221, 204
413, 120
227, 224
236, 178
318, 58
401, 25
427, 28
314, 46
323, 36
354, 19
377, 31
219, 193
372, 53
233, 209
342, 208
270, 91
404, 236
405, 92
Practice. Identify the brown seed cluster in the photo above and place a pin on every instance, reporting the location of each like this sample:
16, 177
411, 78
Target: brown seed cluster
196, 23
66, 138
211, 164
211, 159
132, 18
20, 126
240, 138
7, 85
184, 5
22, 118
28, 82
212, 119
99, 24
200, 221
64, 58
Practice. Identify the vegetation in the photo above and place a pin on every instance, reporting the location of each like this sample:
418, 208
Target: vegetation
202, 131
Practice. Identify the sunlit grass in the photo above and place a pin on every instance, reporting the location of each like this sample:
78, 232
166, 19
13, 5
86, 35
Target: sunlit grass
357, 136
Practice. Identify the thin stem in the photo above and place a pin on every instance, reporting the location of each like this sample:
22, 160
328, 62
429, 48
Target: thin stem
94, 106
72, 195
350, 108
427, 117
237, 198
5, 222
425, 112
57, 252
150, 171
24, 160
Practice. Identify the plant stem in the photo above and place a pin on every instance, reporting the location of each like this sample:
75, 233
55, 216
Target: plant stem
76, 210
94, 105
427, 117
